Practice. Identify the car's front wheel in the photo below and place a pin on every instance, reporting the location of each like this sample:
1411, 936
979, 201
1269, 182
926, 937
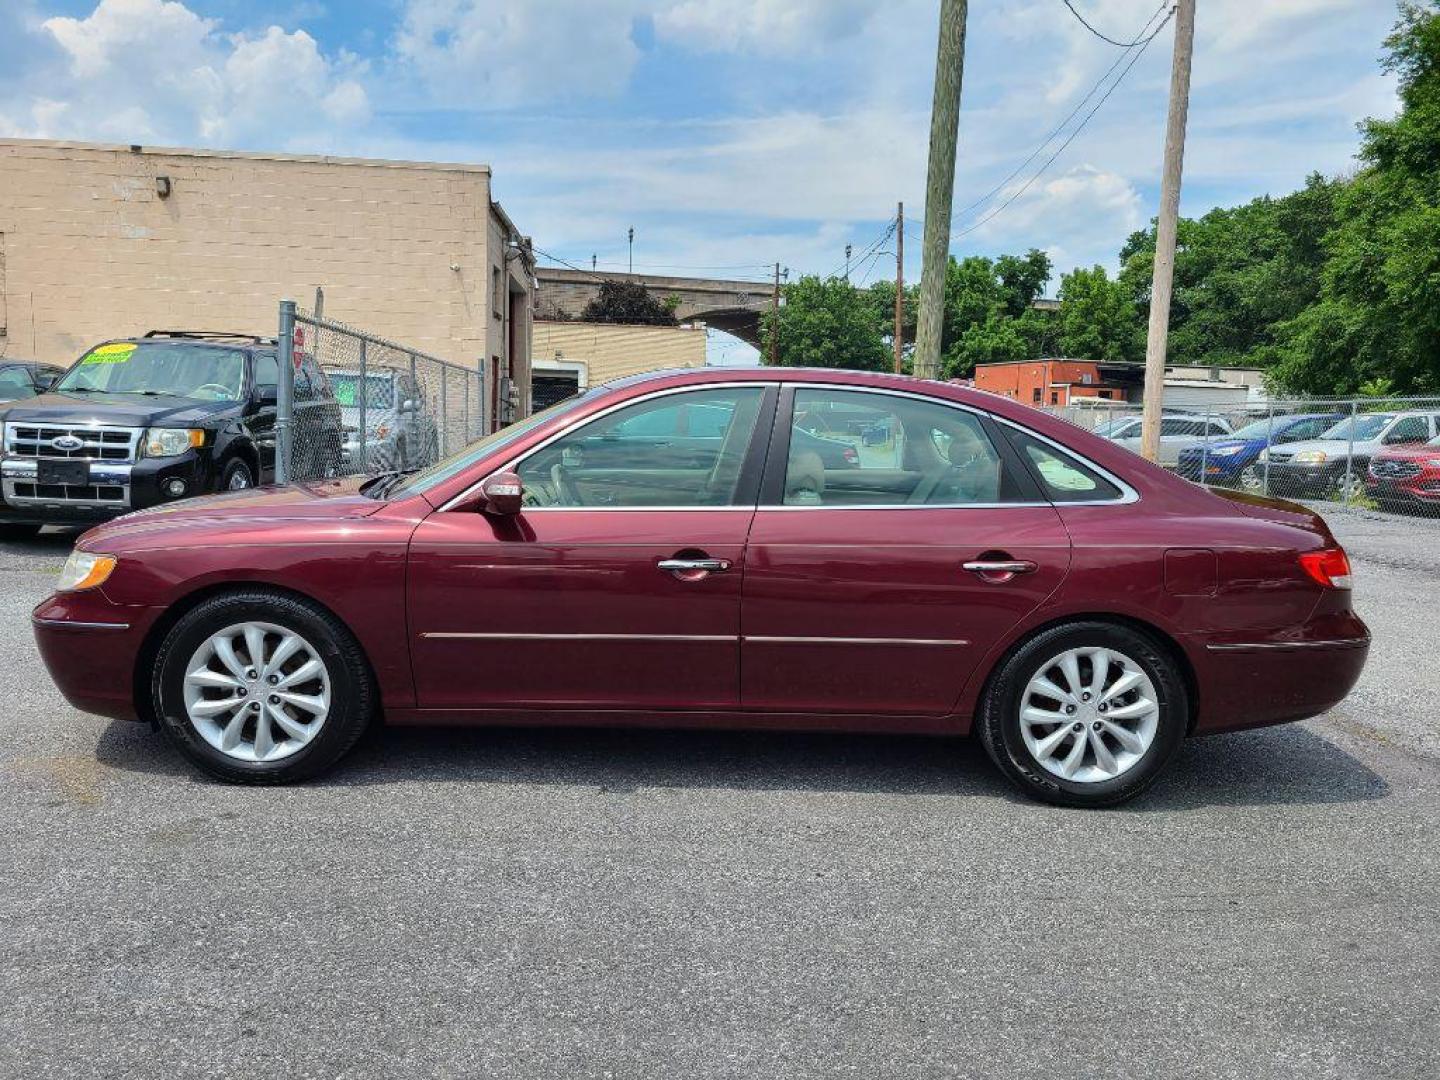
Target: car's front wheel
261, 688
1085, 714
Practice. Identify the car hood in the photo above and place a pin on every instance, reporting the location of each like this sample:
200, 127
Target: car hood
1410, 451
317, 500
1334, 448
133, 410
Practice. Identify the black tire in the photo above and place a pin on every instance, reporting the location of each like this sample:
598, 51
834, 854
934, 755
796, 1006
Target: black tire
19, 530
236, 468
998, 719
352, 690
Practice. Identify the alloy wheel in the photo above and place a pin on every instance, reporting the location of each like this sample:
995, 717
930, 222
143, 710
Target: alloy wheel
1252, 479
1089, 715
257, 692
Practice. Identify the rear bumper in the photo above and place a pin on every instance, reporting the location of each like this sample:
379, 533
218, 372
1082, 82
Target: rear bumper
90, 646
1246, 683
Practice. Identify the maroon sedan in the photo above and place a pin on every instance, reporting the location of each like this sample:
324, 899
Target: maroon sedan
671, 550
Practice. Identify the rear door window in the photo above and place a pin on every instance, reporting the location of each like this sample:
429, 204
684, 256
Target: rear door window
1063, 477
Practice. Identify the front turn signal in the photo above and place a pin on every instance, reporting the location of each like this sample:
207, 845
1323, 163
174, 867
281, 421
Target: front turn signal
84, 570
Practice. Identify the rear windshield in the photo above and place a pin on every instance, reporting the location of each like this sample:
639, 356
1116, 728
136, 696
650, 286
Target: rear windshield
379, 389
185, 369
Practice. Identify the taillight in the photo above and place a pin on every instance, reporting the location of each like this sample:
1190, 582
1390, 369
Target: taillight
1329, 566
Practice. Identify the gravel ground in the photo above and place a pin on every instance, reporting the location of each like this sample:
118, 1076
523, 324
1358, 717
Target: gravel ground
611, 904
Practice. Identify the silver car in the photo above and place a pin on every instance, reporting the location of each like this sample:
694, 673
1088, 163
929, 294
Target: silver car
1177, 431
400, 429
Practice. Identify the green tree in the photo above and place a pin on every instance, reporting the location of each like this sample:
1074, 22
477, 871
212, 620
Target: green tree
1097, 317
628, 302
1378, 315
826, 322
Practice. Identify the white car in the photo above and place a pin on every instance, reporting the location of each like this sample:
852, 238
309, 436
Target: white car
1177, 431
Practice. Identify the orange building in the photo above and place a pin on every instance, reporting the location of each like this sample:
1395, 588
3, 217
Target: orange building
1053, 381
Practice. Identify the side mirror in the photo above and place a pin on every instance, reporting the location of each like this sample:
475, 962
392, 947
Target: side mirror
503, 494
267, 395
408, 405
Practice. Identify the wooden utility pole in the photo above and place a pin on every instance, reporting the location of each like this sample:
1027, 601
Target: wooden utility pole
775, 321
940, 186
1164, 279
899, 283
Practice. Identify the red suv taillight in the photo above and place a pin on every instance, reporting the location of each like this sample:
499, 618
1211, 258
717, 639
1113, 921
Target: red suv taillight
1329, 566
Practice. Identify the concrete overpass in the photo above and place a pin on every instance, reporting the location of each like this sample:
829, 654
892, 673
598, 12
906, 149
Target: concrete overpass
732, 306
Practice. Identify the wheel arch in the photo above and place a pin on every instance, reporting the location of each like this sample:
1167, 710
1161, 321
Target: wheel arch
149, 649
246, 452
1162, 638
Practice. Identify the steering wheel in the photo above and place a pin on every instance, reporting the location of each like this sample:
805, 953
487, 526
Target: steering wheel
219, 391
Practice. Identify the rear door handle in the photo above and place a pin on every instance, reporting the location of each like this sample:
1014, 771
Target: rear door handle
1000, 566
690, 566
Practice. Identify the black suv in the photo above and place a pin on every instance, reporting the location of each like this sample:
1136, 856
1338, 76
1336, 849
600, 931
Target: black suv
141, 421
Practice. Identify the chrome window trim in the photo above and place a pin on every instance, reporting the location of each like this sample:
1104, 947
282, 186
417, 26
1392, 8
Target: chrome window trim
1128, 493
574, 425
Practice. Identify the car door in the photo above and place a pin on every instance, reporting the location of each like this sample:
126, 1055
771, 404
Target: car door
876, 589
619, 590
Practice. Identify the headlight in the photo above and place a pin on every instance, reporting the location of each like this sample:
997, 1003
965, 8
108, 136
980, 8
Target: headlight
1225, 451
1310, 457
84, 570
167, 442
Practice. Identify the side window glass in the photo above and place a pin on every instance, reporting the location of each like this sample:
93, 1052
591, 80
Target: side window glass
1064, 478
15, 383
858, 449
267, 370
677, 450
1408, 429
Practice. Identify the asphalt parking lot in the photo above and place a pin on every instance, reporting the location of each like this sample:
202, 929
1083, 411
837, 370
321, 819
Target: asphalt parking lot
612, 904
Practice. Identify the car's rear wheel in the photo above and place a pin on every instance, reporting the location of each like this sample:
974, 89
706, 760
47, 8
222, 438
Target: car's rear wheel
261, 688
1084, 714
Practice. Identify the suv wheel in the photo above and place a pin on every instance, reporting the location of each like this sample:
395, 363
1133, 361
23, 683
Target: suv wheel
236, 476
1086, 714
260, 688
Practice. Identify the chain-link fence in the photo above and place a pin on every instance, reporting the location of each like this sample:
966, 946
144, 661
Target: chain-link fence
353, 403
1379, 454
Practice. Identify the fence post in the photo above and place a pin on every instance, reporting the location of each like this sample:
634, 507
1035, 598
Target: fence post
1350, 452
285, 393
1205, 447
465, 413
444, 412
362, 436
1269, 438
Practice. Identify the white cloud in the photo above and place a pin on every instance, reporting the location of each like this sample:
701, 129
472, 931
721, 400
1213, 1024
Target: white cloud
479, 54
154, 71
766, 26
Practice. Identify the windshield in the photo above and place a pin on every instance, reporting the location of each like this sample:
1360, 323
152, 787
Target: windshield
205, 372
1259, 429
379, 389
1366, 427
459, 462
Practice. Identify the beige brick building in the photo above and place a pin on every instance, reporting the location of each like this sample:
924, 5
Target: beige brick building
108, 241
573, 355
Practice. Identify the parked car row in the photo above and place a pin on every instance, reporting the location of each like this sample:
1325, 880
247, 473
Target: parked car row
143, 421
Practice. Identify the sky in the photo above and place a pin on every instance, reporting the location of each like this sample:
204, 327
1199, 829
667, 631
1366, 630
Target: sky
730, 134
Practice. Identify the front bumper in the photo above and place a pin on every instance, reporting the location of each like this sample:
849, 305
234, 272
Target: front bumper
112, 488
1413, 489
1211, 470
1290, 477
89, 646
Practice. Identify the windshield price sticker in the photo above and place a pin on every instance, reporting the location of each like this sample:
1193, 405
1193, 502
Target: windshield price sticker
117, 353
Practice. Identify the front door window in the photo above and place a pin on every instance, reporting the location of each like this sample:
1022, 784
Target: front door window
676, 450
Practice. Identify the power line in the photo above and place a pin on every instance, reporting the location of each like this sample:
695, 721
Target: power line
1134, 59
1063, 123
1102, 37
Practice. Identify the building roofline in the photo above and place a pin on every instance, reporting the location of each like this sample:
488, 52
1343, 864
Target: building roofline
246, 155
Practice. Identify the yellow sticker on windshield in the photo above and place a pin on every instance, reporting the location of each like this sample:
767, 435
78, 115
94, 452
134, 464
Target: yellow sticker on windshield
117, 353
